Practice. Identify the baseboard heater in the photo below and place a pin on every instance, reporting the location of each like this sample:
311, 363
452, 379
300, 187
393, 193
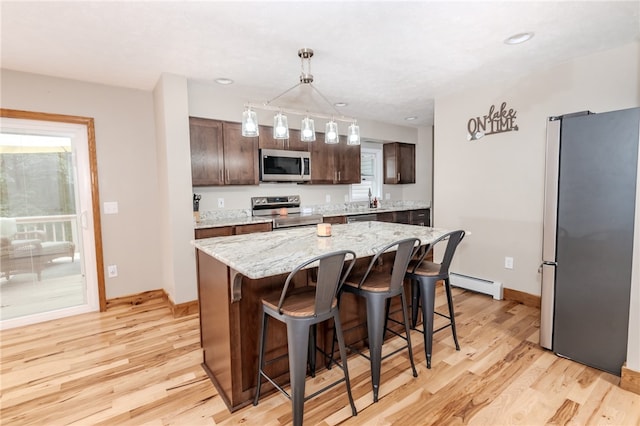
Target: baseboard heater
492, 288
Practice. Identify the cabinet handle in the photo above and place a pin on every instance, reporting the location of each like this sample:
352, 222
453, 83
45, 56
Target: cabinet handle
339, 175
228, 180
221, 176
398, 176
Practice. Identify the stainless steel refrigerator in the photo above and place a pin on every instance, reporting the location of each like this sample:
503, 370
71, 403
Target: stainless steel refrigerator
590, 196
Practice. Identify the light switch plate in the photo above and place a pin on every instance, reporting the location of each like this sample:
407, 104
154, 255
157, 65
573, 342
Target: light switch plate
110, 207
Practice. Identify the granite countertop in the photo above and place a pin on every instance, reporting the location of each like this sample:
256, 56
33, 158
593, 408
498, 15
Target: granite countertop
264, 254
216, 219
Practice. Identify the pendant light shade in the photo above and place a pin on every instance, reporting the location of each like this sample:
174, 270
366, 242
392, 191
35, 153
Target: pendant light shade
331, 132
280, 126
353, 134
249, 123
307, 130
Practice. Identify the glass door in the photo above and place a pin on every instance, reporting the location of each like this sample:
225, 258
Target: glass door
47, 258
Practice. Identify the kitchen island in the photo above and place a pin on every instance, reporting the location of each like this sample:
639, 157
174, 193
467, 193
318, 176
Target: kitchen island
235, 272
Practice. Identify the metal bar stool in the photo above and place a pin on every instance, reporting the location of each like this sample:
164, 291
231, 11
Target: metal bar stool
424, 275
377, 287
301, 309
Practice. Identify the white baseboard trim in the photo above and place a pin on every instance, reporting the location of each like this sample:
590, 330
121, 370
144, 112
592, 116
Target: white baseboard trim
492, 288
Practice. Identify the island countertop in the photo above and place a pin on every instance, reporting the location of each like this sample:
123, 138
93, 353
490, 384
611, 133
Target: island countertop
266, 254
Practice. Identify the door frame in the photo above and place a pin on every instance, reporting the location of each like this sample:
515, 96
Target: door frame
93, 169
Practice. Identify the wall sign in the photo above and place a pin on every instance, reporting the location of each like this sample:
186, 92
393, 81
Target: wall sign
496, 121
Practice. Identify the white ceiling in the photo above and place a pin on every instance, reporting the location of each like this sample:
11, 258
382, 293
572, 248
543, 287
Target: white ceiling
387, 60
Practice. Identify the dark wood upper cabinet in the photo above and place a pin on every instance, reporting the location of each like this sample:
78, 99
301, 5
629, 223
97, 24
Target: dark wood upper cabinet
220, 155
334, 163
240, 156
206, 152
267, 141
399, 162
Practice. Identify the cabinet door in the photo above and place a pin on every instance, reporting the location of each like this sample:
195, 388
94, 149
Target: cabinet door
206, 152
420, 217
399, 163
266, 140
407, 162
390, 155
335, 219
295, 144
402, 217
323, 169
221, 231
251, 228
348, 163
240, 156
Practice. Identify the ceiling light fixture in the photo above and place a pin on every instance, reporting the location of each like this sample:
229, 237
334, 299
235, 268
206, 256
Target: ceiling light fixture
518, 38
224, 81
412, 118
280, 127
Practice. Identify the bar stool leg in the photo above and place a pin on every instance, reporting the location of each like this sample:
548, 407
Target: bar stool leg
428, 294
375, 330
298, 341
405, 317
452, 316
415, 302
343, 357
263, 333
312, 349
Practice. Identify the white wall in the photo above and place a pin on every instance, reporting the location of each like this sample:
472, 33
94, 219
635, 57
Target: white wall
174, 164
127, 171
494, 187
214, 101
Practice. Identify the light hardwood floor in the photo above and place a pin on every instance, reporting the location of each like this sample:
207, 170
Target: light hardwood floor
139, 365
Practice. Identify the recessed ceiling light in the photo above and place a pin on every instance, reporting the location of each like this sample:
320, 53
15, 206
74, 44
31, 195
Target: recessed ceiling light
413, 117
224, 81
341, 104
518, 38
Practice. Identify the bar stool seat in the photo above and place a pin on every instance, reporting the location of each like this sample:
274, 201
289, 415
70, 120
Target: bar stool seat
301, 309
424, 275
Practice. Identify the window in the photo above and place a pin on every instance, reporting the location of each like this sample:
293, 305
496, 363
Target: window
370, 173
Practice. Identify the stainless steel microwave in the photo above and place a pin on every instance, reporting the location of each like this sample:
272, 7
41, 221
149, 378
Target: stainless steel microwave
278, 165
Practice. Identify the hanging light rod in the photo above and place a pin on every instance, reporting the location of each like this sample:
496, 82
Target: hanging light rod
267, 107
250, 126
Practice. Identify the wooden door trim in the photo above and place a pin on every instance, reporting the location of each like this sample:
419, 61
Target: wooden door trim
93, 168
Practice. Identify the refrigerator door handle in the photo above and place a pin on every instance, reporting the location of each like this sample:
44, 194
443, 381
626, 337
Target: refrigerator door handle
547, 263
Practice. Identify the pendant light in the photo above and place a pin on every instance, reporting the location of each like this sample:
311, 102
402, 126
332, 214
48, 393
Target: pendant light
331, 132
280, 126
249, 123
307, 129
353, 134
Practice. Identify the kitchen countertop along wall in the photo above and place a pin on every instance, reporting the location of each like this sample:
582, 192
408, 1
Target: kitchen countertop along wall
221, 218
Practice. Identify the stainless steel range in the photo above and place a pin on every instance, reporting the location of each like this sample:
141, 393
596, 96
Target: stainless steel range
285, 211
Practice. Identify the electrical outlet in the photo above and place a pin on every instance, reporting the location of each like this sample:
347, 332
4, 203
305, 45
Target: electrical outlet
112, 271
220, 203
387, 196
508, 262
346, 198
327, 198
